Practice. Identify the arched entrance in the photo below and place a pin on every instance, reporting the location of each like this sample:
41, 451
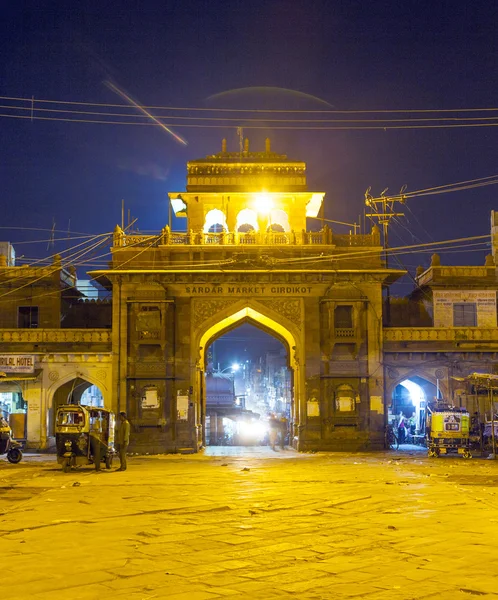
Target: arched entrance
247, 379
267, 324
13, 408
407, 410
74, 391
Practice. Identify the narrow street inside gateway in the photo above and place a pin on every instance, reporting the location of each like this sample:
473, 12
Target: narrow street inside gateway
252, 523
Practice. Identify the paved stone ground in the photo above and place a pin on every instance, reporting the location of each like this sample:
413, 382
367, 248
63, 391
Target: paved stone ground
254, 524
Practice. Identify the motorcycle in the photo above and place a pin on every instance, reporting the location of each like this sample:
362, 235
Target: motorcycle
9, 446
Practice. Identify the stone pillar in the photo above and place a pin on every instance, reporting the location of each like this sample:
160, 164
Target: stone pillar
213, 429
220, 430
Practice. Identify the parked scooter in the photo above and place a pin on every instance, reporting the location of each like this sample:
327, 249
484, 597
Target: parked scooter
8, 445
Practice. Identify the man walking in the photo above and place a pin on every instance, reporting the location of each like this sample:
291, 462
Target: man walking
123, 439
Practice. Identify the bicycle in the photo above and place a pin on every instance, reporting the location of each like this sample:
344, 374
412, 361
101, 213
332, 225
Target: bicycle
391, 441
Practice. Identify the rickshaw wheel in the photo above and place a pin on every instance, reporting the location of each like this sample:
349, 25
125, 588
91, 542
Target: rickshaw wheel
467, 454
66, 465
14, 455
431, 453
108, 461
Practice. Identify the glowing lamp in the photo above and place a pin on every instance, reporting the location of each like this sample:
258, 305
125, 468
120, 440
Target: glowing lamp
263, 203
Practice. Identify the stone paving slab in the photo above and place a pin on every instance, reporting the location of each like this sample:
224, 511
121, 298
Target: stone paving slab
293, 526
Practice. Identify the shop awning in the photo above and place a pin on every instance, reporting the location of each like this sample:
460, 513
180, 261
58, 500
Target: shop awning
19, 376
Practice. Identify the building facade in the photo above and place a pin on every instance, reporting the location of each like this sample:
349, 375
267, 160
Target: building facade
246, 256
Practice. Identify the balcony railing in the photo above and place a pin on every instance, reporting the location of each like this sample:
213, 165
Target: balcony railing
192, 238
55, 336
440, 334
345, 332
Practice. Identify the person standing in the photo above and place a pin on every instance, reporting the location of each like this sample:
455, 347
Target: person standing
123, 439
96, 440
274, 426
284, 426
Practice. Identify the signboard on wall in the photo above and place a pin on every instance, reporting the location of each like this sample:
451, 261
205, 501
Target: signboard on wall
182, 407
150, 400
17, 363
313, 408
485, 302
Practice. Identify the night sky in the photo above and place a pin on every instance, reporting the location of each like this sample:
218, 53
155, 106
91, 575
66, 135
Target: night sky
348, 55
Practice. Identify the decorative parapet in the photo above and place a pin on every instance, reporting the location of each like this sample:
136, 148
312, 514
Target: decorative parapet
299, 238
55, 336
436, 273
440, 334
29, 272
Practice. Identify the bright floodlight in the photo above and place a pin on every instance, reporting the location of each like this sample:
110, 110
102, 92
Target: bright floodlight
263, 203
235, 367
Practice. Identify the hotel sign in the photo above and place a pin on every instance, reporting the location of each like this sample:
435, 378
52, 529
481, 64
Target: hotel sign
17, 363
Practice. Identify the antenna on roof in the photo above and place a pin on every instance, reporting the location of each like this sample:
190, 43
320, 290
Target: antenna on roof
51, 241
240, 133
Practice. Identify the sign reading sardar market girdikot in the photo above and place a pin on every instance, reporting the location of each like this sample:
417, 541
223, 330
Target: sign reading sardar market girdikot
247, 289
17, 363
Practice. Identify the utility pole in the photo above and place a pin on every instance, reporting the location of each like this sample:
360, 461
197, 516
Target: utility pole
386, 205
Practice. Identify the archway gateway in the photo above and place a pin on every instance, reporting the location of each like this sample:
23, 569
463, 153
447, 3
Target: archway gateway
318, 291
270, 326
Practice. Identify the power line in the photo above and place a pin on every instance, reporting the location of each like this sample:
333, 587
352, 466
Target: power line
383, 126
253, 110
246, 119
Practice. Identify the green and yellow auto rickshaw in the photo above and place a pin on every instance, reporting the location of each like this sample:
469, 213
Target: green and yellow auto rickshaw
447, 430
84, 435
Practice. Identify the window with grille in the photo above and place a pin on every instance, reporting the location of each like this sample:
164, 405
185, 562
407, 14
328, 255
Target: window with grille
465, 315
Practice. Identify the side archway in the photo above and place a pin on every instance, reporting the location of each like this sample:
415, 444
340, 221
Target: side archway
74, 388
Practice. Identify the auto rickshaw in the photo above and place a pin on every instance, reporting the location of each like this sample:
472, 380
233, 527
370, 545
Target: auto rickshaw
84, 434
447, 430
9, 446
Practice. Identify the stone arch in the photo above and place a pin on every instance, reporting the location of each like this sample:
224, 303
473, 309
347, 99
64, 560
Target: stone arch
281, 218
215, 217
249, 217
392, 384
85, 378
262, 317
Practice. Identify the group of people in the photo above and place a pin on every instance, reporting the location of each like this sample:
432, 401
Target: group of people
278, 429
406, 427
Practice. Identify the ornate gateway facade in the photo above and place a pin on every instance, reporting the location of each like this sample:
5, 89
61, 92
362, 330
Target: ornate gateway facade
247, 256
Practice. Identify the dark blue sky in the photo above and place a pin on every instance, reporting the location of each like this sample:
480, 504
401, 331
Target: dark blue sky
354, 55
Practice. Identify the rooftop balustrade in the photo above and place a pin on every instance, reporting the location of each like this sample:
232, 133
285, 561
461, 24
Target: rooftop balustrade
440, 334
193, 238
55, 336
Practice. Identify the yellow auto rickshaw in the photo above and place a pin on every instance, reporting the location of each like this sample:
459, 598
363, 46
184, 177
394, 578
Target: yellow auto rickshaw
447, 430
84, 435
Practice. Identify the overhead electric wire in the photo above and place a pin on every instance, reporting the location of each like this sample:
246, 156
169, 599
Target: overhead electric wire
32, 100
72, 237
53, 269
59, 291
257, 120
220, 267
382, 126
